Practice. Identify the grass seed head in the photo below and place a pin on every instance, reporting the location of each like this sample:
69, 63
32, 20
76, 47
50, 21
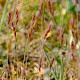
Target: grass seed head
72, 46
73, 56
61, 35
14, 29
33, 17
40, 8
17, 16
32, 25
40, 62
50, 7
47, 30
9, 18
51, 62
63, 52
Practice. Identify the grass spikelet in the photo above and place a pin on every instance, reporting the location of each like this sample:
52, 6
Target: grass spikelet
9, 18
73, 56
63, 52
17, 16
61, 36
72, 46
40, 8
40, 62
51, 62
32, 25
50, 7
47, 30
14, 29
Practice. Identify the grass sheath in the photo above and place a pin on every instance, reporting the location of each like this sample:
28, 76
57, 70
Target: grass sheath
31, 26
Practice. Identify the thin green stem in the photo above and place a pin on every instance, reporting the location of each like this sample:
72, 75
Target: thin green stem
62, 69
47, 56
4, 13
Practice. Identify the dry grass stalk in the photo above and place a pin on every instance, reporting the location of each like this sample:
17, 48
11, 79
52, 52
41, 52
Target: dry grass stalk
47, 30
39, 12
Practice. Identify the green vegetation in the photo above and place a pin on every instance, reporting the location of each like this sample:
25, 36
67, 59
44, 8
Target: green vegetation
39, 40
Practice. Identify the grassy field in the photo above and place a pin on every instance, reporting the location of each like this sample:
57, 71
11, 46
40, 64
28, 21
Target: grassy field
39, 40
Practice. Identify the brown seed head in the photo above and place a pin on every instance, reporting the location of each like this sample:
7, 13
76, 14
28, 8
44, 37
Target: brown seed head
61, 35
47, 30
40, 62
50, 7
17, 12
73, 56
33, 17
40, 8
9, 18
17, 16
14, 29
51, 62
72, 46
63, 52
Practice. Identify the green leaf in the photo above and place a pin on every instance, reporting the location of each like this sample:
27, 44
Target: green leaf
46, 48
57, 58
67, 78
69, 6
